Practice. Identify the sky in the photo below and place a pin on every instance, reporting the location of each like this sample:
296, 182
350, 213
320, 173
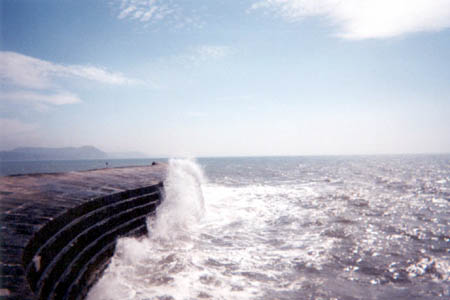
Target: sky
226, 78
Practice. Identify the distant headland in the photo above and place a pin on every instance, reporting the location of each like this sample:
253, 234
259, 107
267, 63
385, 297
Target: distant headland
66, 153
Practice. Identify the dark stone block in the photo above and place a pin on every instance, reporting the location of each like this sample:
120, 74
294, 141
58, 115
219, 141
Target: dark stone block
11, 270
24, 219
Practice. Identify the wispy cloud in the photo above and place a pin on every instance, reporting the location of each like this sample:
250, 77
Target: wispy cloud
211, 51
363, 19
153, 11
198, 55
27, 79
60, 98
26, 71
30, 72
126, 11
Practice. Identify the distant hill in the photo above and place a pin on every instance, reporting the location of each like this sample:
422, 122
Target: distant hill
39, 153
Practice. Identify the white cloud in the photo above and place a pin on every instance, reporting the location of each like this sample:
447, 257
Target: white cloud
21, 70
148, 14
152, 11
197, 56
208, 51
60, 98
25, 71
204, 53
98, 74
145, 10
28, 80
125, 12
362, 19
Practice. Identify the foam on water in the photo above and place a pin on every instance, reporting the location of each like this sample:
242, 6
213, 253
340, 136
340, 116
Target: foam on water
141, 265
209, 240
306, 231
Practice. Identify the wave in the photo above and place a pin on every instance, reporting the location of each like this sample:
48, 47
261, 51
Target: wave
141, 265
183, 203
298, 237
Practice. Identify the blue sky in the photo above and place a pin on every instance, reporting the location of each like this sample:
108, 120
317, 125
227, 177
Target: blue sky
226, 78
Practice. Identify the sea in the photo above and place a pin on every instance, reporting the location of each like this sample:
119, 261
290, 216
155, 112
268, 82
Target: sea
325, 227
59, 166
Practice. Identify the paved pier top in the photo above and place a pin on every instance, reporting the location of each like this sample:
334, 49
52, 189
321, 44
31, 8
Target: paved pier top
28, 202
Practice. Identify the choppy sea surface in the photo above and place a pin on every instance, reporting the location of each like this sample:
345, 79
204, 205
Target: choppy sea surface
363, 227
367, 227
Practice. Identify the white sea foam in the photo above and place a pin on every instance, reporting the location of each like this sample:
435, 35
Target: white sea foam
183, 205
227, 247
296, 239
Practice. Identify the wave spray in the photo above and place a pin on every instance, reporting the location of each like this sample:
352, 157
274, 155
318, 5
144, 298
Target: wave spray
147, 266
183, 204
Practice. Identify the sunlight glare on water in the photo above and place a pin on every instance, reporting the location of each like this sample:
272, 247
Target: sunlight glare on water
276, 229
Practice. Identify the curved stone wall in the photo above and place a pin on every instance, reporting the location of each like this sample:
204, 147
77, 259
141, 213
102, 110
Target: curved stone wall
58, 231
62, 258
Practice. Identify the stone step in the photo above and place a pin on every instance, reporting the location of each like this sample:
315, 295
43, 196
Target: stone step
58, 231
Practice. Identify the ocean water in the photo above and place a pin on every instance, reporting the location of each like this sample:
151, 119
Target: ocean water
57, 166
374, 227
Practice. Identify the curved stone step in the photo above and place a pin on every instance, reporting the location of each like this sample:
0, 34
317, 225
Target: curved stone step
61, 239
94, 255
62, 258
92, 270
51, 228
90, 235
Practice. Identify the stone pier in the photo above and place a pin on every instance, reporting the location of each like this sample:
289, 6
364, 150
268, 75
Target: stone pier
58, 231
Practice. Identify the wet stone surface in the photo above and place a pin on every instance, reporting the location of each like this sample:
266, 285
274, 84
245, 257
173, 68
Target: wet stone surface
28, 202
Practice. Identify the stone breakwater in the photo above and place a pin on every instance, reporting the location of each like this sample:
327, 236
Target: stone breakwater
58, 231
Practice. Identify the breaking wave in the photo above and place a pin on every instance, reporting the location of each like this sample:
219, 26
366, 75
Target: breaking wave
183, 204
291, 228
